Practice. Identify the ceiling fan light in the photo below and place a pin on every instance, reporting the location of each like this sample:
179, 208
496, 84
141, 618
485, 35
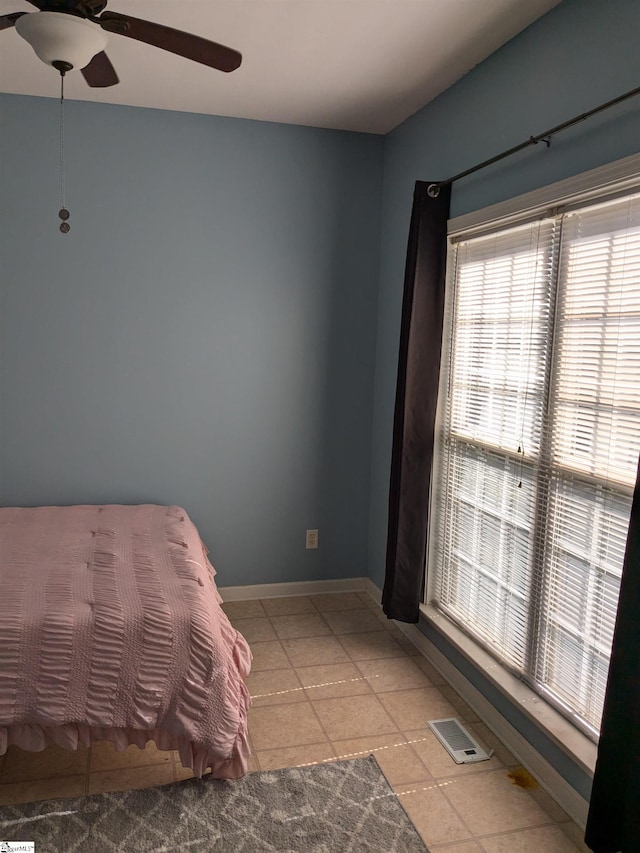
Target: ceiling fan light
61, 37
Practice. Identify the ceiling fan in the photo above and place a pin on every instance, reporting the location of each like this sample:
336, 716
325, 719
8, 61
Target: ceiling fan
70, 34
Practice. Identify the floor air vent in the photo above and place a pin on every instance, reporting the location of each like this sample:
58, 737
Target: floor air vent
460, 745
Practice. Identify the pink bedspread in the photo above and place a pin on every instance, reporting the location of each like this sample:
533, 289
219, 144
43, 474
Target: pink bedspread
111, 629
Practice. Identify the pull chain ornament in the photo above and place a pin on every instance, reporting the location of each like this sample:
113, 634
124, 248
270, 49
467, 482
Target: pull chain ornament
63, 213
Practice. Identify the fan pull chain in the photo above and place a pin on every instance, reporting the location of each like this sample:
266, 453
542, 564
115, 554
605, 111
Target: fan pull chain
63, 213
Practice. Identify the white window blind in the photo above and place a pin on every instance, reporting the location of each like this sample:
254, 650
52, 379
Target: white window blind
539, 444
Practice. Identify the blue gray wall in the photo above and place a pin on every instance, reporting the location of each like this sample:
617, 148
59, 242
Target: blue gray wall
205, 335
210, 331
580, 54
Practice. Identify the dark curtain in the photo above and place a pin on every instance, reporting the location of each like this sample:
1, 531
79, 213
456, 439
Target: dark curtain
416, 396
614, 813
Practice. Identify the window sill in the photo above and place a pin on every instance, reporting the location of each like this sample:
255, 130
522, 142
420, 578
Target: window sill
556, 727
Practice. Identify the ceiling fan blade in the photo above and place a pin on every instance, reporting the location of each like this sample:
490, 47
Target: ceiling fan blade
7, 21
91, 6
100, 73
175, 41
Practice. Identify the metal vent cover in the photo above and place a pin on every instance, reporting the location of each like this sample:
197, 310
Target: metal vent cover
461, 746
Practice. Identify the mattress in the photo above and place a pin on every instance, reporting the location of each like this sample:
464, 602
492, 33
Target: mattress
111, 629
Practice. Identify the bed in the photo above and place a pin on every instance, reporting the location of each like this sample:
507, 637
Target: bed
111, 629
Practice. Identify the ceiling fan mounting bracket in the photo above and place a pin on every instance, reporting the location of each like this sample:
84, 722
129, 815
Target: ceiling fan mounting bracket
82, 8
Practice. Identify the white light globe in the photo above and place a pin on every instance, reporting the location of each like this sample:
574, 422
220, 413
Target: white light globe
61, 37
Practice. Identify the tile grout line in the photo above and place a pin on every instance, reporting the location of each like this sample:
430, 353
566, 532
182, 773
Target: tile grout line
312, 701
354, 663
304, 763
505, 832
405, 743
304, 636
296, 703
455, 810
293, 668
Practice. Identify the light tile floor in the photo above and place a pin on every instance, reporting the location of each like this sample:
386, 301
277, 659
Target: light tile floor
333, 678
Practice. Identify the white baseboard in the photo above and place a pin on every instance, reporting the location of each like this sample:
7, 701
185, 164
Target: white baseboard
373, 591
279, 590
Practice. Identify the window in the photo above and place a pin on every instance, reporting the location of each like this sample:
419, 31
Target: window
538, 444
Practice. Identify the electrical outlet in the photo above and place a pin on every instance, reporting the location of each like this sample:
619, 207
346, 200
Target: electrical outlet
312, 539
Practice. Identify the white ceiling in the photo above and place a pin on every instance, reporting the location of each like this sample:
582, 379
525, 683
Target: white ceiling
362, 65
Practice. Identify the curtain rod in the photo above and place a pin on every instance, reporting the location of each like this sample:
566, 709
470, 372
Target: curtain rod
434, 189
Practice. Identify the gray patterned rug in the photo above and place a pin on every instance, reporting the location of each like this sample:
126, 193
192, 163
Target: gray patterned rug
341, 807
